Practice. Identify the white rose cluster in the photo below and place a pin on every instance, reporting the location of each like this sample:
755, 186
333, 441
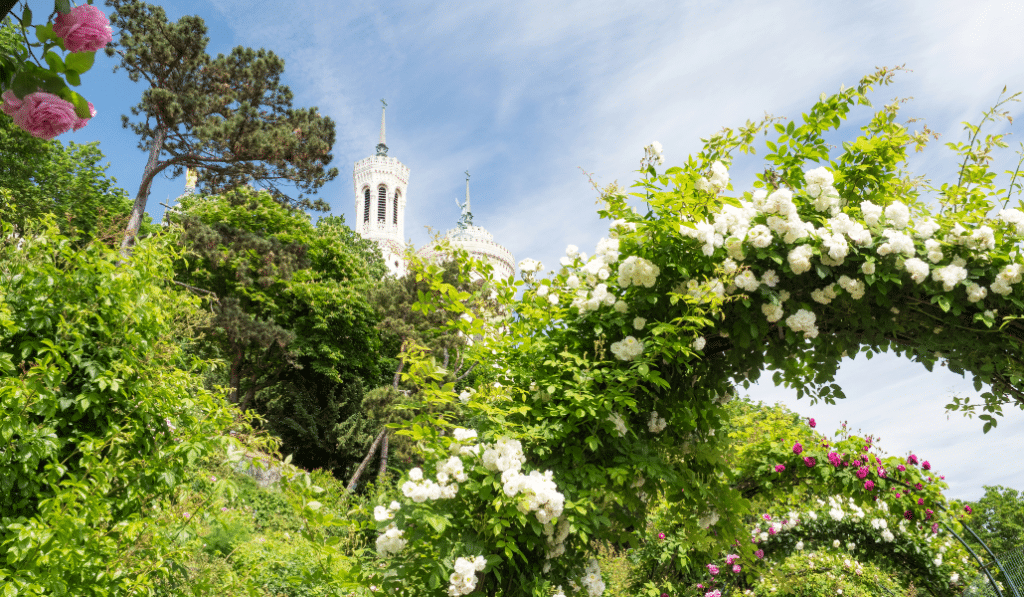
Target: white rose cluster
539, 491
555, 536
804, 321
530, 266
466, 394
1005, 279
1013, 217
637, 271
592, 580
465, 442
380, 513
717, 182
504, 455
627, 349
620, 226
450, 469
463, 580
819, 187
390, 541
656, 424
420, 489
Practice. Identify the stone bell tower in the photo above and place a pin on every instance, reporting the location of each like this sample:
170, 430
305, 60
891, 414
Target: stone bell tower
380, 184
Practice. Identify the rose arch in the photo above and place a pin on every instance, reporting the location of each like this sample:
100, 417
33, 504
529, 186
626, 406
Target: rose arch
603, 382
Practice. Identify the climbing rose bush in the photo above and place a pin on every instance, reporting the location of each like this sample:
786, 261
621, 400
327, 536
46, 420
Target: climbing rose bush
42, 114
694, 292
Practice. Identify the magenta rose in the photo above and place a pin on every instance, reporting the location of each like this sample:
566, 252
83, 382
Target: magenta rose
760, 554
84, 29
712, 569
912, 459
736, 568
968, 509
45, 115
779, 468
869, 485
810, 461
797, 448
729, 559
862, 472
900, 468
812, 423
833, 458
926, 465
661, 535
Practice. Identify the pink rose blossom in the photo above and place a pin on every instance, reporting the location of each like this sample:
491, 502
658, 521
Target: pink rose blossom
898, 495
968, 509
797, 448
736, 568
729, 559
812, 423
918, 486
935, 529
779, 468
900, 468
881, 472
712, 569
926, 465
84, 29
715, 593
920, 501
760, 554
767, 517
908, 515
44, 115
833, 458
912, 459
771, 530
661, 535
810, 461
928, 514
869, 485
862, 472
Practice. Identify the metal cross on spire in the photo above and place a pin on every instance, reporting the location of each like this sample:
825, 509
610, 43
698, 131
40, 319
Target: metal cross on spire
382, 147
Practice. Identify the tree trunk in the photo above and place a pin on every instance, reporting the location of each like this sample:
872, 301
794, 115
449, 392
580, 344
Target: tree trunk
383, 456
153, 167
235, 376
369, 455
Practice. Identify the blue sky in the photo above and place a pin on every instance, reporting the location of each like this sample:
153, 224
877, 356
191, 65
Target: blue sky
526, 94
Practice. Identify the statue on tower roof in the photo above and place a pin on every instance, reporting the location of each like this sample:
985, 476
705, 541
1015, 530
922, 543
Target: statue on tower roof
382, 147
467, 216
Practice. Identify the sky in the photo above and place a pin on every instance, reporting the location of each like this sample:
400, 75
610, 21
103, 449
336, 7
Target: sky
531, 95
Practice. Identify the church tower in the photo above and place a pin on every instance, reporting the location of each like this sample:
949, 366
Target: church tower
380, 184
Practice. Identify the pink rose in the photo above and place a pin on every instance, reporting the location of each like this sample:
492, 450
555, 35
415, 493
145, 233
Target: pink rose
797, 448
869, 485
810, 461
84, 121
779, 468
736, 568
811, 423
84, 29
45, 115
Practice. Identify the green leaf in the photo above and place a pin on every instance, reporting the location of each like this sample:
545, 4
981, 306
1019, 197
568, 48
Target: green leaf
26, 17
54, 62
80, 62
439, 523
73, 78
44, 33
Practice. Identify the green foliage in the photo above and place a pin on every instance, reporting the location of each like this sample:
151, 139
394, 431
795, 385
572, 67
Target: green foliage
998, 518
108, 413
40, 177
290, 315
826, 574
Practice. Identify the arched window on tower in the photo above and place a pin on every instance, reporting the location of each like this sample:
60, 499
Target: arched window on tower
394, 214
366, 204
382, 204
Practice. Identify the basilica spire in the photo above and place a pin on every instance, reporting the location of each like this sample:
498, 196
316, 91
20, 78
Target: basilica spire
382, 147
467, 192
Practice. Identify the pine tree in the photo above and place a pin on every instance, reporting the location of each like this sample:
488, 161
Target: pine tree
228, 117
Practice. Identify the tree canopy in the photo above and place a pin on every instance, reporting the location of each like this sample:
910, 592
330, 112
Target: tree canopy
229, 117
